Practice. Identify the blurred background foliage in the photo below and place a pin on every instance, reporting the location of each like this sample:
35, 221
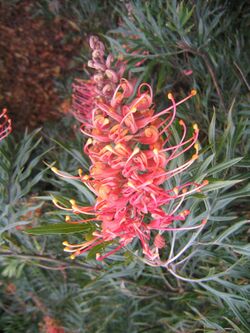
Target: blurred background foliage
183, 45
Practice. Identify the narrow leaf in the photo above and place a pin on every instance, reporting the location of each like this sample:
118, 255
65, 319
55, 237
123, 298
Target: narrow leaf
59, 228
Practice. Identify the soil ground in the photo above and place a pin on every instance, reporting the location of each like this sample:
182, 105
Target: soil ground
35, 53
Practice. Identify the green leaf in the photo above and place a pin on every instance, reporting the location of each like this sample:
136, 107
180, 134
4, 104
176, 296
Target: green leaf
211, 130
233, 302
244, 249
97, 249
243, 192
237, 329
203, 167
82, 189
73, 152
59, 228
216, 185
222, 166
13, 225
231, 230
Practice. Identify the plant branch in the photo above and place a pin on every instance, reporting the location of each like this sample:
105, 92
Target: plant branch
210, 68
242, 75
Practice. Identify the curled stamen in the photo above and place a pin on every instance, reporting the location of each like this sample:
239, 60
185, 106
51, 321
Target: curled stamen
5, 124
135, 151
193, 93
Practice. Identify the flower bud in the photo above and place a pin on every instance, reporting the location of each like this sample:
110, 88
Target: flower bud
107, 90
109, 60
98, 78
100, 46
92, 41
111, 75
97, 54
159, 241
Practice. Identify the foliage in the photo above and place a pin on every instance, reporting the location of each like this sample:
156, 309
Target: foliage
174, 37
206, 285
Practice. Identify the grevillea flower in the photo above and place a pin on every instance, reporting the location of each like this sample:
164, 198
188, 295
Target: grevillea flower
5, 124
130, 151
50, 325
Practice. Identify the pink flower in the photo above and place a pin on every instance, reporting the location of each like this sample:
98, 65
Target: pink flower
129, 147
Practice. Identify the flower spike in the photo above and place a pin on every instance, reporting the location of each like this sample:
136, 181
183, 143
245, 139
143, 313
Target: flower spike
129, 148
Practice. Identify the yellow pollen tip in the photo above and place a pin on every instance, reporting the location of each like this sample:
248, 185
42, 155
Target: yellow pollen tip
194, 157
196, 146
118, 145
195, 127
54, 201
67, 218
133, 110
97, 256
109, 148
89, 141
136, 150
65, 243
175, 190
155, 151
73, 202
54, 169
72, 256
170, 96
193, 92
80, 172
68, 249
130, 184
118, 94
86, 177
